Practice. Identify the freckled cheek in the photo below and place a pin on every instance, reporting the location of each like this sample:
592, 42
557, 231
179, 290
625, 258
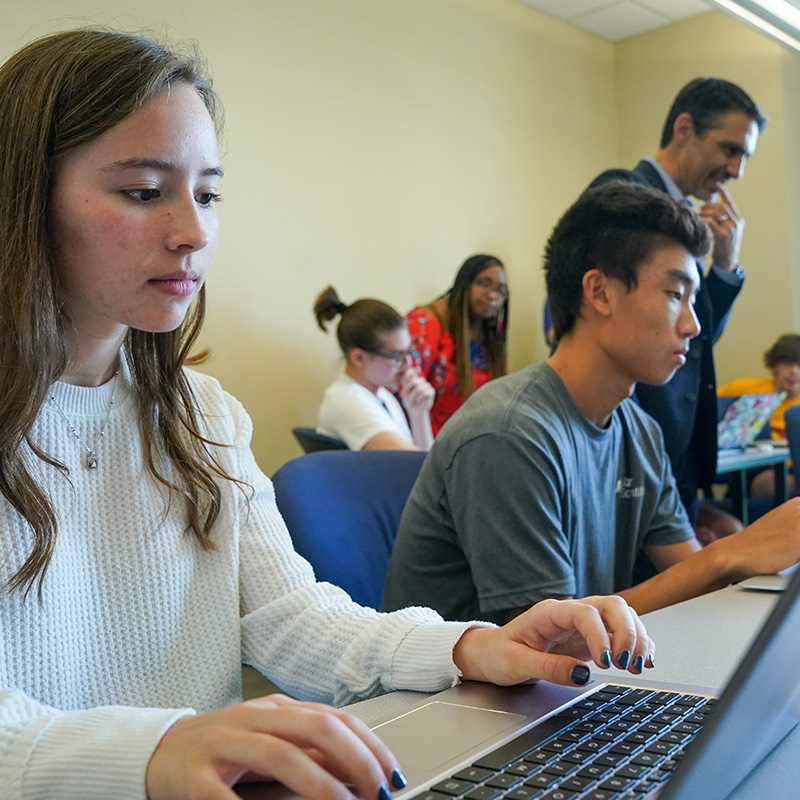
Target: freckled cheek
73, 249
91, 232
118, 234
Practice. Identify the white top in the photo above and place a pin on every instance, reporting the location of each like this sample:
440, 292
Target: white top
139, 625
352, 413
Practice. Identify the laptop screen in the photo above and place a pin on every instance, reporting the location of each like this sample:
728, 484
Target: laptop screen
759, 706
745, 417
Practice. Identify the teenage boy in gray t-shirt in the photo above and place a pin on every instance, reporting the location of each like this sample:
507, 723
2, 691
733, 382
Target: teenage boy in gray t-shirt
551, 482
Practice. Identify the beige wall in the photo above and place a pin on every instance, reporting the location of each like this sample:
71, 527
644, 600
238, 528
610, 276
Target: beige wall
790, 64
374, 144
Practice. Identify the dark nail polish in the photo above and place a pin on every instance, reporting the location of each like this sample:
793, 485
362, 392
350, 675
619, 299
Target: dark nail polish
384, 793
652, 659
399, 781
623, 658
579, 675
638, 663
605, 658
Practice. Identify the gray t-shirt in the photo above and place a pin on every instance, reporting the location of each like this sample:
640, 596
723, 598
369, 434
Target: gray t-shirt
523, 498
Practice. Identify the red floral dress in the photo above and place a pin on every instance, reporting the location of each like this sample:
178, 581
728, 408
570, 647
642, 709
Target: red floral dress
433, 352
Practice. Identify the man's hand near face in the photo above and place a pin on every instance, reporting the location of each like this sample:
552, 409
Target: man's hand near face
727, 226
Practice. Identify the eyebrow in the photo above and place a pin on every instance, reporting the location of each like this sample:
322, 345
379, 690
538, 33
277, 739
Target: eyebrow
158, 165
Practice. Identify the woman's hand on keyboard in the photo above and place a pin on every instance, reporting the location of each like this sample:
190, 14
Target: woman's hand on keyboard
551, 640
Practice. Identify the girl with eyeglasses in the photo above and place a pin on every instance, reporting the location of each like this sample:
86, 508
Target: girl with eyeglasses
360, 406
142, 555
458, 341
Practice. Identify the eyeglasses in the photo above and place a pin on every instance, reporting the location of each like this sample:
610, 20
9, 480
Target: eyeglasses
487, 285
397, 356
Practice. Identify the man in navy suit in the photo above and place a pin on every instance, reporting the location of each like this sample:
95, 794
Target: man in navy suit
710, 132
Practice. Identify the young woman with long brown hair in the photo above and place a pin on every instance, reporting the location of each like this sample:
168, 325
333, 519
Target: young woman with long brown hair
142, 557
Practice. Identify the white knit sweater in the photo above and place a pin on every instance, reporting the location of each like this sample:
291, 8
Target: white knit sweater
139, 626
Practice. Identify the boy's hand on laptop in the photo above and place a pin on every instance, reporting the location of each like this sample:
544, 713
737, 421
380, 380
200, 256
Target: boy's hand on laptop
551, 640
766, 546
313, 749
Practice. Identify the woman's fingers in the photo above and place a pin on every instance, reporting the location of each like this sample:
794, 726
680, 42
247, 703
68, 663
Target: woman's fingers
315, 750
415, 390
631, 647
551, 640
378, 750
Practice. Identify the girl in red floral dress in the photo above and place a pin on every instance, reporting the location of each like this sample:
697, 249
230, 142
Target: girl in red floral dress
459, 340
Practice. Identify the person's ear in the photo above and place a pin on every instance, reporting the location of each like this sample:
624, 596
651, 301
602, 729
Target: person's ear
596, 292
683, 128
357, 358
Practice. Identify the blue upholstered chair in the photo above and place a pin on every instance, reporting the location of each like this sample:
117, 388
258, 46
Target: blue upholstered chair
342, 508
311, 441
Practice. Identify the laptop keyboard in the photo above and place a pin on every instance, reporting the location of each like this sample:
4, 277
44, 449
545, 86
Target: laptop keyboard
619, 743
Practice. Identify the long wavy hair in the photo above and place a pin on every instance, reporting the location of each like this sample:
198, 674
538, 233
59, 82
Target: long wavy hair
493, 330
56, 94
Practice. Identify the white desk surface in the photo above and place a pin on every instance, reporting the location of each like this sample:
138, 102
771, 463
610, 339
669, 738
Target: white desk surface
698, 642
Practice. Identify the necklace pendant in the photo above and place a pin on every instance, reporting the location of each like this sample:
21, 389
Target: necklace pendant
90, 461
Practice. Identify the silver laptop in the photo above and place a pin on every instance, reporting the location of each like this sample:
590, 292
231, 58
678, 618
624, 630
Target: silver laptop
770, 583
650, 739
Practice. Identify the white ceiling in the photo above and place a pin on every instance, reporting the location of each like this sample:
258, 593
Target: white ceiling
618, 19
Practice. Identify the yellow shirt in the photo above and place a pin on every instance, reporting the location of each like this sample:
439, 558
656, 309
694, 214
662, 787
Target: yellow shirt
761, 386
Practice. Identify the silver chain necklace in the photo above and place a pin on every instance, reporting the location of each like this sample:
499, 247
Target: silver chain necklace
90, 462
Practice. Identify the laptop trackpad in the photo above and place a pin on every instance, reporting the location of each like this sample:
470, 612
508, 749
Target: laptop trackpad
436, 733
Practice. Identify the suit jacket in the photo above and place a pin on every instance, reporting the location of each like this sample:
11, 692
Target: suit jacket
686, 406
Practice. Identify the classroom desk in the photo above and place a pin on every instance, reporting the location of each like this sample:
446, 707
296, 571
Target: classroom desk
698, 642
736, 461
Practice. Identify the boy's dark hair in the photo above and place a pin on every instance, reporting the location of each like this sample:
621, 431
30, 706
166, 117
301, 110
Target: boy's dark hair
615, 228
707, 100
786, 350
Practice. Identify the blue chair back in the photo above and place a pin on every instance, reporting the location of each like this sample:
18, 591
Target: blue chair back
792, 419
342, 509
